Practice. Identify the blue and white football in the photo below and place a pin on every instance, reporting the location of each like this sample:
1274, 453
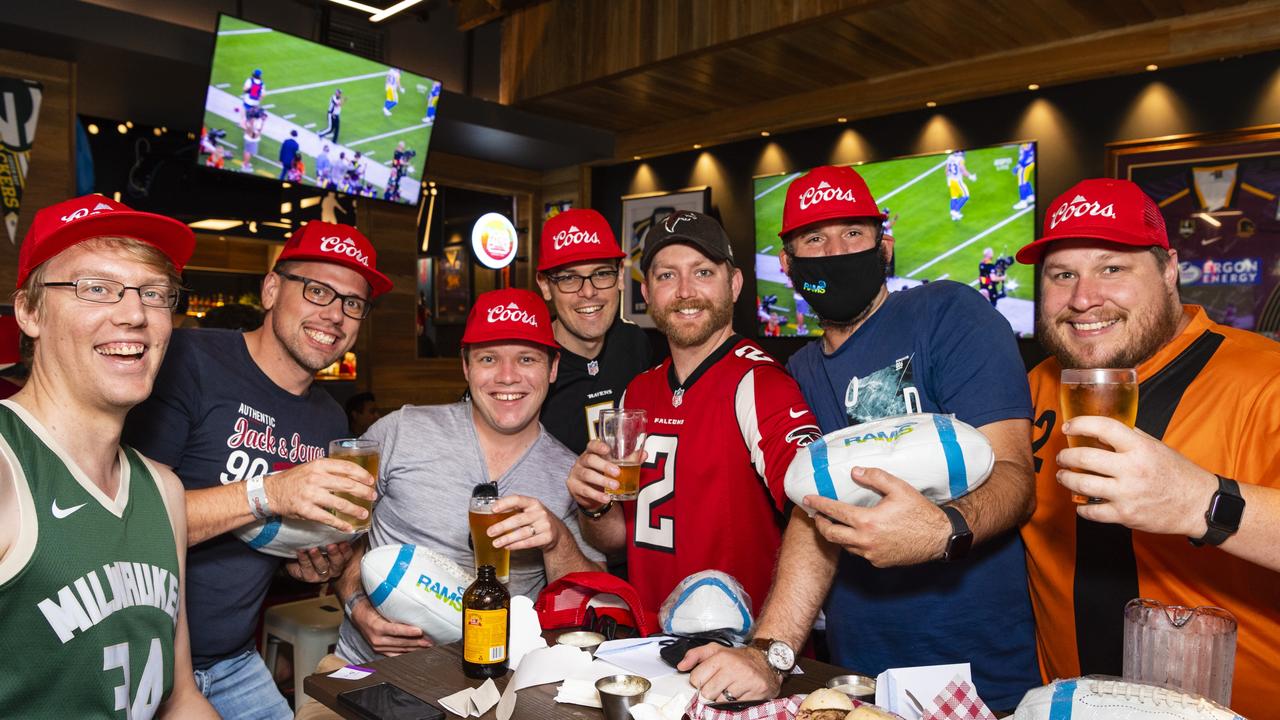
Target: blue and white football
412, 585
938, 455
283, 537
1096, 697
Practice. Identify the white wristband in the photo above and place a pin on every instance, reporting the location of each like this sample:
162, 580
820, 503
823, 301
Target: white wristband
256, 493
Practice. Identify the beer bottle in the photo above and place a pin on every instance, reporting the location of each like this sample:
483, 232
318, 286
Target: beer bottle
486, 627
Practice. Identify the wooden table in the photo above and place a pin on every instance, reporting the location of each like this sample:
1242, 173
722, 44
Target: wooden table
436, 672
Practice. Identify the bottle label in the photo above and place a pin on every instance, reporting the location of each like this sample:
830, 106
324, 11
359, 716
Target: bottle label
484, 636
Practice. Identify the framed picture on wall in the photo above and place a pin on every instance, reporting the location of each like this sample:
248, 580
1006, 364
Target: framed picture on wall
453, 285
639, 213
1218, 194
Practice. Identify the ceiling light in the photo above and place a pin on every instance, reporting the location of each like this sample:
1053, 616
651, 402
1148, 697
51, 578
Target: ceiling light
697, 146
215, 224
357, 6
635, 157
764, 133
842, 119
122, 128
1153, 67
93, 129
384, 14
128, 124
1033, 86
155, 131
931, 104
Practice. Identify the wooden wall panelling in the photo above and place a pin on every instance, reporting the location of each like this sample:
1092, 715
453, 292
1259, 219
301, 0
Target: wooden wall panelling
51, 170
1178, 41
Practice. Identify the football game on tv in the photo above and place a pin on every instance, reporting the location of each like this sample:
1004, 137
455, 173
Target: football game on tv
279, 106
958, 215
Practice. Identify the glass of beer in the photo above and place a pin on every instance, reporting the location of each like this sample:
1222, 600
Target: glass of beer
623, 430
1108, 392
481, 518
364, 453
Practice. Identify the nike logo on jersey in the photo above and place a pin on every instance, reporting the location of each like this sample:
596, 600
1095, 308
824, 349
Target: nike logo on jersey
60, 513
794, 414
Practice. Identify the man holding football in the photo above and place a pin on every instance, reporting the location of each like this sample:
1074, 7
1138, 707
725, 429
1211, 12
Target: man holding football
943, 584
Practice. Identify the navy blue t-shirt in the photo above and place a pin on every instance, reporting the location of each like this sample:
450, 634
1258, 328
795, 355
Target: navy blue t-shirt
937, 348
216, 418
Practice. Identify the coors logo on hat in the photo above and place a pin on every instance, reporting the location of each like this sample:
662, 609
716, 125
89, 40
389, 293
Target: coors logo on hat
576, 236
1100, 209
510, 314
339, 244
827, 193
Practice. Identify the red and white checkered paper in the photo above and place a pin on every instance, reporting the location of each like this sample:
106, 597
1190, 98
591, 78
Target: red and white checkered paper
959, 701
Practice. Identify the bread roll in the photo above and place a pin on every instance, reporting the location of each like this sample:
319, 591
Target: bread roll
825, 704
870, 712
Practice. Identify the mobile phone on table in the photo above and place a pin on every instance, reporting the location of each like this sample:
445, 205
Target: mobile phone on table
385, 701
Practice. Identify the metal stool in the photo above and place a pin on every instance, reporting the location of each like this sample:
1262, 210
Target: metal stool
311, 626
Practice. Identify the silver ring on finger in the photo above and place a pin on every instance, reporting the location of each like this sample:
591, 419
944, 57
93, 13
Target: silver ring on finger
322, 573
728, 696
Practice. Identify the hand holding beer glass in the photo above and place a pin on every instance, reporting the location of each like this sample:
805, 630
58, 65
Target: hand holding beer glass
481, 517
364, 453
623, 430
1107, 392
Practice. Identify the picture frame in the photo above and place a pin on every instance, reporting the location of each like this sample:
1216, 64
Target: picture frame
639, 212
453, 285
1219, 194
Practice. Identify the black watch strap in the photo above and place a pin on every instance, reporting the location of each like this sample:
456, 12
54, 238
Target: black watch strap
598, 512
1222, 519
961, 536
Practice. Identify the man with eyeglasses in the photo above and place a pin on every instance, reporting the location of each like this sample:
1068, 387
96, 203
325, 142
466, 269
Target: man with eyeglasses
92, 534
578, 273
228, 409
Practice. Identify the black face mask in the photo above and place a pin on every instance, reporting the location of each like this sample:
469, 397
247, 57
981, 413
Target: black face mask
839, 287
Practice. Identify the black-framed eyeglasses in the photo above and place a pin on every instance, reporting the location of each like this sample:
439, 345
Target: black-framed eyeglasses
100, 290
572, 282
318, 293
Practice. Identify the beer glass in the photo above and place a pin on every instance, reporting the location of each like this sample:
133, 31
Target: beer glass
482, 517
364, 453
1108, 392
623, 431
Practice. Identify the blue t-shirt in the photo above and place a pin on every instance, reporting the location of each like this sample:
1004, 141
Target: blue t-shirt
216, 418
938, 348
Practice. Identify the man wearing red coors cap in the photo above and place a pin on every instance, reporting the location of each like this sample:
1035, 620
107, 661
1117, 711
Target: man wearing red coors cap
579, 275
433, 456
84, 521
1201, 465
236, 416
937, 580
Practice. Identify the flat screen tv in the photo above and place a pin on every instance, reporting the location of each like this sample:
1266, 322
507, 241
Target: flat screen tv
279, 106
966, 231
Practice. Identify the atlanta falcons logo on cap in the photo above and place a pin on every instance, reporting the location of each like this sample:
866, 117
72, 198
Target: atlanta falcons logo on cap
674, 219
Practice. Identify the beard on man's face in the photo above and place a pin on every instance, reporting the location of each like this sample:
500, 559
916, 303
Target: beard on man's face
1145, 333
681, 334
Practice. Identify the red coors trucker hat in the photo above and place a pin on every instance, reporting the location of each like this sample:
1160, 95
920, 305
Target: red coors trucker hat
830, 192
1100, 209
575, 236
338, 244
61, 226
509, 314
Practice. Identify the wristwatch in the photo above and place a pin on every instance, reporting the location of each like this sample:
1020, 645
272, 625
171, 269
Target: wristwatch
598, 512
961, 536
778, 654
1226, 507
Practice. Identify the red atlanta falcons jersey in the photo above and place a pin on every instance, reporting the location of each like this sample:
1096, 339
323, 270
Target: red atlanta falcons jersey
718, 447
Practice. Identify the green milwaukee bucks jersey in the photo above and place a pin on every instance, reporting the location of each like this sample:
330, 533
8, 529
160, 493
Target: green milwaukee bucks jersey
89, 588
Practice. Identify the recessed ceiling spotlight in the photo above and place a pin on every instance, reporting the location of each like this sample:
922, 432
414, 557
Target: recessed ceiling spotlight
931, 104
1153, 67
1033, 86
697, 146
842, 119
92, 129
764, 133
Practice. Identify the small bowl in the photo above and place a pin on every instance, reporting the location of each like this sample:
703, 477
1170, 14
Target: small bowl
858, 687
583, 639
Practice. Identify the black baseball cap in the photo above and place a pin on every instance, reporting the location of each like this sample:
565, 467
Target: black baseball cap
691, 228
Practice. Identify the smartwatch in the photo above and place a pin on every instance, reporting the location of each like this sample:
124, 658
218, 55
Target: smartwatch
961, 536
1226, 507
778, 654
